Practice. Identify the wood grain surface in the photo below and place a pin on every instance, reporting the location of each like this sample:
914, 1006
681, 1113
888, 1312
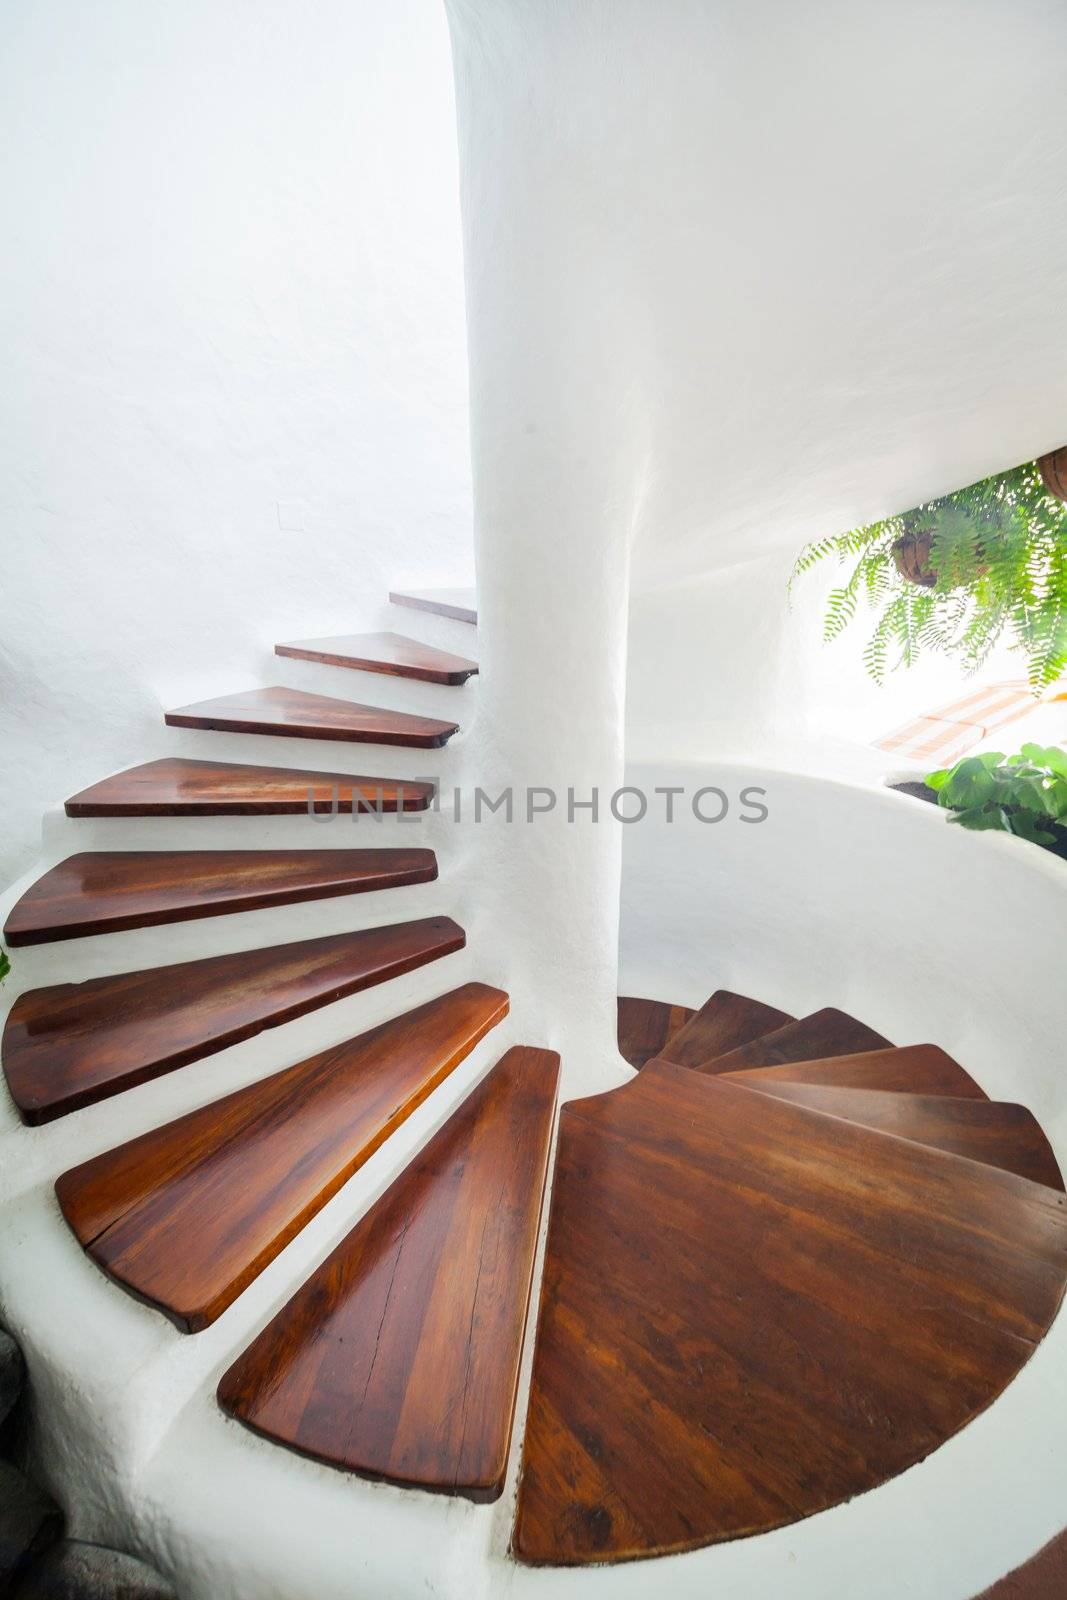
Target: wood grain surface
825, 1033
904, 1069
292, 714
106, 891
997, 1132
388, 653
187, 1215
646, 1026
803, 1309
725, 1022
71, 1044
399, 1357
180, 787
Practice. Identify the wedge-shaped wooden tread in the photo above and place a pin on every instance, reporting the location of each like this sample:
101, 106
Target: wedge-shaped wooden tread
292, 714
725, 1022
71, 1044
389, 653
456, 603
904, 1069
180, 787
399, 1357
103, 891
646, 1026
825, 1033
807, 1308
996, 1132
187, 1215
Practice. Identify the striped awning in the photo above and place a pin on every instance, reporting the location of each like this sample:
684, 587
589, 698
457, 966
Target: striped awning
941, 737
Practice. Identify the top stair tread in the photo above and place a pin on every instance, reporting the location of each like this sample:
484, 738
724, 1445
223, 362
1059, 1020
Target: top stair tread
178, 786
71, 1044
399, 1357
103, 891
186, 1215
998, 1133
824, 1033
460, 604
906, 1069
836, 1304
389, 653
291, 713
724, 1023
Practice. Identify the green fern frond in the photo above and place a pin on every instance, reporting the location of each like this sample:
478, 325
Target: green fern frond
999, 552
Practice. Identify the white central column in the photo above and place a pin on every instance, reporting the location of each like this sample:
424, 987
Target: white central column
557, 482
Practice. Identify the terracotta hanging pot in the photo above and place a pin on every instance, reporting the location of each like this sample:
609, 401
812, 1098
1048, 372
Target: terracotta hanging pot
1053, 469
912, 557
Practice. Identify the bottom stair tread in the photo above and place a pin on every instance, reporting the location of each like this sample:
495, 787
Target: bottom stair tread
906, 1069
994, 1132
646, 1026
725, 1022
399, 1357
824, 1033
806, 1309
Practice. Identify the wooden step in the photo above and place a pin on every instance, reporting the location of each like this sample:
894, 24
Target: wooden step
825, 1033
905, 1069
71, 1044
723, 1023
399, 1357
390, 653
187, 1215
292, 714
647, 1026
995, 1132
807, 1309
456, 603
180, 787
103, 891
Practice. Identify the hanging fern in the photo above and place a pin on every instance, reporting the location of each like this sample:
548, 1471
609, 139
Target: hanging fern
988, 561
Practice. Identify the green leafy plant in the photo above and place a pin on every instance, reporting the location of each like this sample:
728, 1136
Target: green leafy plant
5, 964
1024, 794
956, 574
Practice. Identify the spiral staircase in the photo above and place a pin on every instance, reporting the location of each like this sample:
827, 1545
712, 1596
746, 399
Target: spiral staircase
787, 1260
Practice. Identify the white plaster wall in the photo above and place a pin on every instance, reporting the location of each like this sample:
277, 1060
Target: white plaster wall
826, 246
234, 405
738, 275
731, 662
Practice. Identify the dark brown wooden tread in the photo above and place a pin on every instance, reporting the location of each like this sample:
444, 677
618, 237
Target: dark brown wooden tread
824, 1033
997, 1132
459, 604
646, 1026
292, 714
904, 1069
399, 1358
388, 653
187, 1215
177, 786
104, 891
725, 1022
807, 1309
71, 1044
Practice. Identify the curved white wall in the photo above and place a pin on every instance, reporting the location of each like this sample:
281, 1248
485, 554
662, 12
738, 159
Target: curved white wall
781, 270
234, 405
855, 896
